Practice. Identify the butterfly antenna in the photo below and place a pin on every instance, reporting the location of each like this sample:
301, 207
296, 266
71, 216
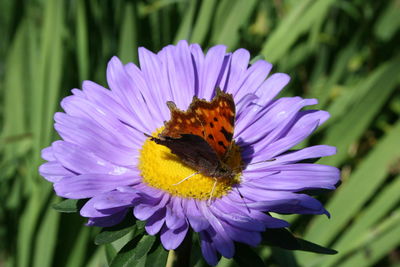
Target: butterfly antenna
241, 196
184, 179
212, 192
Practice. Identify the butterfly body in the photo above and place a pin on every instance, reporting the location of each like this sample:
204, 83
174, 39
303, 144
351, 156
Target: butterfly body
202, 136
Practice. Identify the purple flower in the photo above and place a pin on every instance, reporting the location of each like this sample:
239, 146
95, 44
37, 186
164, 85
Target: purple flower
105, 156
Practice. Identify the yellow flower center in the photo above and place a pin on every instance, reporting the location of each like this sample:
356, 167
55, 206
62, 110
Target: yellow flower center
163, 170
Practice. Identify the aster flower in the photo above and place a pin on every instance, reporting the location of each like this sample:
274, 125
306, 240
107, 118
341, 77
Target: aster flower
105, 157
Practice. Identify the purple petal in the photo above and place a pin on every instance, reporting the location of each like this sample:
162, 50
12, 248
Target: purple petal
47, 154
144, 211
253, 79
276, 118
155, 77
208, 249
247, 237
140, 84
194, 216
263, 152
115, 199
174, 217
53, 171
91, 140
155, 222
297, 177
238, 66
178, 62
291, 157
106, 100
172, 238
90, 185
107, 221
89, 209
281, 201
271, 87
81, 161
233, 217
83, 110
221, 239
121, 83
239, 205
212, 69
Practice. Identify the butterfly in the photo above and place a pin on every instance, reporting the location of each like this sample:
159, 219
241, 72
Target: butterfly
202, 136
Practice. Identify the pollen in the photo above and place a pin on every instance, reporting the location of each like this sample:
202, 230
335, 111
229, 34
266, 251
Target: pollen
163, 170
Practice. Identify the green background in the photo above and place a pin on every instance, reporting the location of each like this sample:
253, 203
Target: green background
344, 53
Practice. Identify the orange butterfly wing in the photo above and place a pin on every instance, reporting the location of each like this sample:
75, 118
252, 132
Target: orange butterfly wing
212, 120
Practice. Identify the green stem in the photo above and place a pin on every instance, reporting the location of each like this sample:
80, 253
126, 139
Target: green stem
180, 257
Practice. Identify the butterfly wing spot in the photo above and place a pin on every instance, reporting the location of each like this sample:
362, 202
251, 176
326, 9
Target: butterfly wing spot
210, 136
222, 144
228, 135
211, 125
179, 120
215, 119
192, 120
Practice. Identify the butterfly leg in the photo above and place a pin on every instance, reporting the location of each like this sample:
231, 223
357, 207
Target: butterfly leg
184, 179
212, 192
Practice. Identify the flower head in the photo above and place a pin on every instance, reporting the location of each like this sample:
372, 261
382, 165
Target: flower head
105, 156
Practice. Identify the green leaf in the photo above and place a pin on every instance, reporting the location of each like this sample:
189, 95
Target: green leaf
110, 234
284, 239
311, 247
157, 256
110, 253
280, 237
133, 251
67, 206
245, 256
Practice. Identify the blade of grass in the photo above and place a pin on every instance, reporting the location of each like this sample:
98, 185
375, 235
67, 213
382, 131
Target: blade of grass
128, 43
368, 104
363, 182
377, 245
14, 98
203, 21
185, 29
374, 213
77, 256
46, 239
82, 40
300, 19
238, 16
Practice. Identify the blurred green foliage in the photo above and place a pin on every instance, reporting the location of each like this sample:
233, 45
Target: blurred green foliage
345, 53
